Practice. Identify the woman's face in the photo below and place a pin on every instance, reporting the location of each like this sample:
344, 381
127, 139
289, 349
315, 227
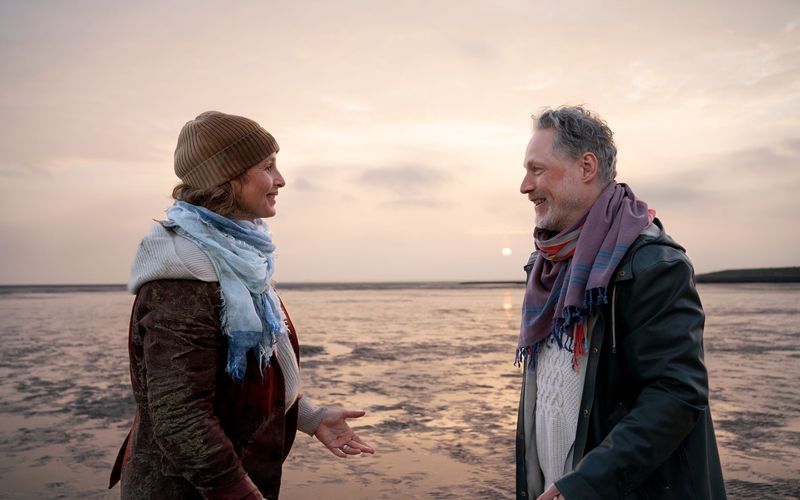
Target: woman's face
256, 190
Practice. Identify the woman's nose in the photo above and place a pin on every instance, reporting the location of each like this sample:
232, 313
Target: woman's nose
279, 180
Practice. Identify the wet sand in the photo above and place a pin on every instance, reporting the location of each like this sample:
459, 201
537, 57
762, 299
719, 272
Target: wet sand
752, 343
433, 368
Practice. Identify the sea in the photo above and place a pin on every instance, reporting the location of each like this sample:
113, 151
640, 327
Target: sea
432, 364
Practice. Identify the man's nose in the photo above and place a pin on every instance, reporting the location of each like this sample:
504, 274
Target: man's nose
527, 184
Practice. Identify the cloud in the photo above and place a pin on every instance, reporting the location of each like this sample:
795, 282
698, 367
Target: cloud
302, 184
481, 51
388, 113
346, 105
760, 173
780, 163
658, 195
793, 145
23, 170
403, 179
413, 202
540, 79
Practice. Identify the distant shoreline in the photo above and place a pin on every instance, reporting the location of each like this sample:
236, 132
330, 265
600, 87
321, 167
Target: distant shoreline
389, 285
7, 289
762, 275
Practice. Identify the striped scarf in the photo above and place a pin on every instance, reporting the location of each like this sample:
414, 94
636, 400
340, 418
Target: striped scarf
573, 268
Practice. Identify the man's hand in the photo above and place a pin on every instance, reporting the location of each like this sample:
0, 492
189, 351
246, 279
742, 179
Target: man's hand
337, 436
551, 493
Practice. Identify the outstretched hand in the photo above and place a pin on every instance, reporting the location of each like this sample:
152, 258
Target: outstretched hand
337, 436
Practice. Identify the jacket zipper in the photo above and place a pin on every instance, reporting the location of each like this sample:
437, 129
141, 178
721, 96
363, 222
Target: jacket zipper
613, 319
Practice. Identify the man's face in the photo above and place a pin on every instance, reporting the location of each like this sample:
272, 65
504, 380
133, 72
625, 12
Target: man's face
553, 183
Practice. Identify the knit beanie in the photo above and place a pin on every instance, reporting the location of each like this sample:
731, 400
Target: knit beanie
216, 147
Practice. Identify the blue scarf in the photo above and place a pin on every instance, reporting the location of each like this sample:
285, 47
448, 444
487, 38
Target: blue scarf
242, 253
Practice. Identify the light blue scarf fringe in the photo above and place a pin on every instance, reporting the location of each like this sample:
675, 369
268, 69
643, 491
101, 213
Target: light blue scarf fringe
242, 253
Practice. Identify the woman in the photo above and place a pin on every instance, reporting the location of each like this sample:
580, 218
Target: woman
213, 353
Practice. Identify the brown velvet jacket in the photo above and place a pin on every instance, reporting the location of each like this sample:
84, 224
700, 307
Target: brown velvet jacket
197, 433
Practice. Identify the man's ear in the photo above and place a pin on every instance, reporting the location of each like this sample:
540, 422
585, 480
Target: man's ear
588, 166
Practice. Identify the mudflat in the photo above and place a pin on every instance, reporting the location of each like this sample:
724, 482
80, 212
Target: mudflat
432, 366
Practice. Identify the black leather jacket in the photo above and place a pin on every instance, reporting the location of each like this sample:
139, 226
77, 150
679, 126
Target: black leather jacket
645, 428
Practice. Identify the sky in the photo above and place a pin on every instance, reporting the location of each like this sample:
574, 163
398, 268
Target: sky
402, 126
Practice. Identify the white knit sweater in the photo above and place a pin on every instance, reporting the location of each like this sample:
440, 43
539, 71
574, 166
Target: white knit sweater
552, 402
163, 254
558, 401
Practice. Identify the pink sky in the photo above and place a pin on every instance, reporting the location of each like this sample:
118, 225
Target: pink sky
402, 126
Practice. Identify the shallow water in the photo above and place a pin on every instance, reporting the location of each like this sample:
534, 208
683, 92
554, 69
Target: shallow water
433, 368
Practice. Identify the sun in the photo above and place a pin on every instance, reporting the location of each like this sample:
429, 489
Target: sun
505, 251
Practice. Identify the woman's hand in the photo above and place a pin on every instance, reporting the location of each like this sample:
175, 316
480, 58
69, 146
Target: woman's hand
337, 436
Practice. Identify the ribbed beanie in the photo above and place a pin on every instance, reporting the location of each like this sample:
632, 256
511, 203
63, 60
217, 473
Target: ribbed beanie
216, 147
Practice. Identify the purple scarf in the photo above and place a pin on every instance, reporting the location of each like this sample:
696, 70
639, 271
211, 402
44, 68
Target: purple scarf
571, 273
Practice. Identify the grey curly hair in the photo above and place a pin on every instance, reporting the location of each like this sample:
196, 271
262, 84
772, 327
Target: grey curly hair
578, 131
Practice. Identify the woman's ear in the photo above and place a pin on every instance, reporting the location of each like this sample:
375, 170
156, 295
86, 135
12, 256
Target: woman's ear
236, 185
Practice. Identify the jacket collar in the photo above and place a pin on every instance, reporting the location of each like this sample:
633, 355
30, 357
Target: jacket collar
652, 234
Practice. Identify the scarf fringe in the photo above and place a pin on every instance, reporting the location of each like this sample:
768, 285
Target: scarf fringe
251, 317
237, 354
594, 245
568, 332
526, 353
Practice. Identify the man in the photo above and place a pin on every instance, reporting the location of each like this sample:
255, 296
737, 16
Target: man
615, 394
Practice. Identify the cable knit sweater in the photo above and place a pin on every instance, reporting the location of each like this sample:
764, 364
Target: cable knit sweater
552, 396
165, 255
558, 399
